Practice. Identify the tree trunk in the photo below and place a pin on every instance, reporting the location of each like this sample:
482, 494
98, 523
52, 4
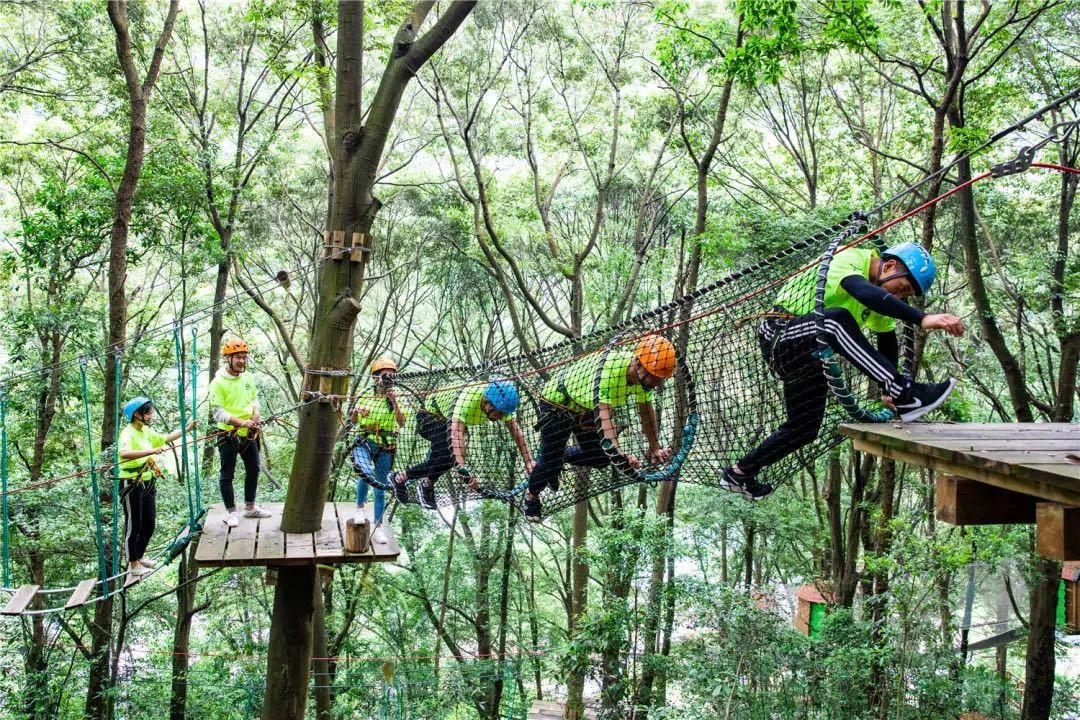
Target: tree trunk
98, 701
1039, 669
185, 613
579, 597
358, 150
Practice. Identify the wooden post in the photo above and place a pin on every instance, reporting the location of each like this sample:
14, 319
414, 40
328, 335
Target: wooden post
961, 501
358, 536
1057, 532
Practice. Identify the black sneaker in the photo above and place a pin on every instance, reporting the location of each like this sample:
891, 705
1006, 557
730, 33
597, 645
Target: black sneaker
745, 485
530, 505
427, 495
923, 398
401, 490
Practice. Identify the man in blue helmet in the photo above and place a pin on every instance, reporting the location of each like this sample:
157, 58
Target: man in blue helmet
862, 290
138, 471
444, 421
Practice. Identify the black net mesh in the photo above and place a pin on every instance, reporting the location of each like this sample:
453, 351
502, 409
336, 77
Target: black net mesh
681, 392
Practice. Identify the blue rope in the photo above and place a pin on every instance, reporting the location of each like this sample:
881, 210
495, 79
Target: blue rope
195, 414
94, 489
182, 404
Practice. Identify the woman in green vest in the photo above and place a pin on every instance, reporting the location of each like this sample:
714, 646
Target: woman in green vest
139, 444
377, 417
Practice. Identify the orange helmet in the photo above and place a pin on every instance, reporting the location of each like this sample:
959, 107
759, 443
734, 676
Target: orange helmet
233, 346
657, 355
383, 364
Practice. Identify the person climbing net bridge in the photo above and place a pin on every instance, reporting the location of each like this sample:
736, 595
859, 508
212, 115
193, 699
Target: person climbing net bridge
862, 289
577, 402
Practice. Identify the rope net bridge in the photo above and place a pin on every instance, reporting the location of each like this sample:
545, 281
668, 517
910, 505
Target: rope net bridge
707, 376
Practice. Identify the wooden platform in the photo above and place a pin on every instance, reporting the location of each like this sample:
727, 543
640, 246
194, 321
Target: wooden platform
547, 710
261, 542
1037, 459
992, 474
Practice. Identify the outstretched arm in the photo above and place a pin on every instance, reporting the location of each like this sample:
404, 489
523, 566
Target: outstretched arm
523, 448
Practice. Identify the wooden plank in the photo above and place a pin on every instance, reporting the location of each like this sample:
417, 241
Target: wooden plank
1064, 492
299, 546
241, 540
346, 511
18, 602
214, 536
1018, 456
961, 501
270, 542
1066, 445
1057, 531
328, 541
81, 594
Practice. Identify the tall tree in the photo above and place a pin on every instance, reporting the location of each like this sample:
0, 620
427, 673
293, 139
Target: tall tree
139, 86
358, 150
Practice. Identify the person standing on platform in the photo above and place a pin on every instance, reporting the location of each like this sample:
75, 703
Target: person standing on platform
234, 404
377, 417
138, 471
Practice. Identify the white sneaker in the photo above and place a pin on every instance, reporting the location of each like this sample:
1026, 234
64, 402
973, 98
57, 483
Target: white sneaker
232, 519
143, 562
138, 570
360, 516
257, 512
379, 537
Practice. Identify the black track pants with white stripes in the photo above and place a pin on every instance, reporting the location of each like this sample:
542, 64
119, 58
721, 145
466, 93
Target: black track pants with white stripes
788, 347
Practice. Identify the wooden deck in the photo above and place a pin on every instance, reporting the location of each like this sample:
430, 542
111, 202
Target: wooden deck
547, 710
1037, 459
261, 542
992, 474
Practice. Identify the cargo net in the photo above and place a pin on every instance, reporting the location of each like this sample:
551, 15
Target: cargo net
677, 393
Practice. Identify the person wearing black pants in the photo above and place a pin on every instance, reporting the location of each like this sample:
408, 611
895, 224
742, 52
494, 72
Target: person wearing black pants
138, 444
439, 459
556, 425
861, 289
140, 511
247, 448
788, 347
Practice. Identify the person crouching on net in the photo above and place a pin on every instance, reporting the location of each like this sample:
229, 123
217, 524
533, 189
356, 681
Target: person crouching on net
138, 445
444, 422
862, 290
567, 407
377, 417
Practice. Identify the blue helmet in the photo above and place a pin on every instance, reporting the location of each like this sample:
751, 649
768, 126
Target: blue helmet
919, 264
503, 395
134, 405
